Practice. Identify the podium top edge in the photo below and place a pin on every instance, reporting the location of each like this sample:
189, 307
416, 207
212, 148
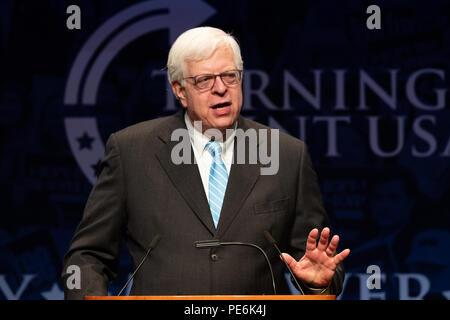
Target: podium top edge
216, 297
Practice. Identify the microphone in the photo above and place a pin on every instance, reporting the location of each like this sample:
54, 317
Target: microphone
151, 246
205, 244
274, 243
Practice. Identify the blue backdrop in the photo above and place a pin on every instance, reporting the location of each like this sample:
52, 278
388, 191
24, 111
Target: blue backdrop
371, 104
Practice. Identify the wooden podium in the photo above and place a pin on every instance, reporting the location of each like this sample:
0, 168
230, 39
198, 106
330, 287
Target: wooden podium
217, 297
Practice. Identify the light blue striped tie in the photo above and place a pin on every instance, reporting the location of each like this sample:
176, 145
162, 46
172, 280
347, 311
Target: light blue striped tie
218, 179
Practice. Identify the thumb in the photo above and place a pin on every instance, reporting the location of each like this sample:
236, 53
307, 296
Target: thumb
289, 260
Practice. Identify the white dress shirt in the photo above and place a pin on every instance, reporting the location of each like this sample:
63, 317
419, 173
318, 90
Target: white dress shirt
203, 157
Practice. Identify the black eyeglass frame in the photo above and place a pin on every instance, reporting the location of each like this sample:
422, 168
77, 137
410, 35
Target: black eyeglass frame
215, 75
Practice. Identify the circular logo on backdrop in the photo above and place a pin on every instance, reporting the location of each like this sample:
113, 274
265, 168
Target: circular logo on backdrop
98, 52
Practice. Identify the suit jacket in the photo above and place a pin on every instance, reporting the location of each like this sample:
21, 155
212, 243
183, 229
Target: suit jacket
140, 193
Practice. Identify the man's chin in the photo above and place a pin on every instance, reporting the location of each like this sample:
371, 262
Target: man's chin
222, 126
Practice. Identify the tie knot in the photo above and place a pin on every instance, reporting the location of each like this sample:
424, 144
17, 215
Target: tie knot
214, 148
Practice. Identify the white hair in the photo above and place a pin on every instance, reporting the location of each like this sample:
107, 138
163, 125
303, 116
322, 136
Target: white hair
199, 44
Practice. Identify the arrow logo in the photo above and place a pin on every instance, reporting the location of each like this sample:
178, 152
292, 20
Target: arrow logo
103, 46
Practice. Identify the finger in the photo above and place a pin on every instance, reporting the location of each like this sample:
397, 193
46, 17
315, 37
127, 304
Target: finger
331, 250
341, 256
323, 241
312, 239
289, 260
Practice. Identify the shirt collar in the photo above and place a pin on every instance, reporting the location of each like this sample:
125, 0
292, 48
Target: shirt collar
199, 140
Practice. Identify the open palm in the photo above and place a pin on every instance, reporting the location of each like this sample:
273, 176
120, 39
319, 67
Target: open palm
316, 268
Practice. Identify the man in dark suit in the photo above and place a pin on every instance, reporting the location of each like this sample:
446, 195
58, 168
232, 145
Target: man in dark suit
143, 190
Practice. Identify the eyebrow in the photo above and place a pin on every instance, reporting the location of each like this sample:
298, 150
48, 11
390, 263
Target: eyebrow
225, 69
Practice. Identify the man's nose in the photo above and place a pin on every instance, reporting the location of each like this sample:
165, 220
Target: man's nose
219, 87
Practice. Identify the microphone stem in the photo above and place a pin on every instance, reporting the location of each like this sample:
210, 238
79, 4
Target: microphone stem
262, 251
290, 271
138, 267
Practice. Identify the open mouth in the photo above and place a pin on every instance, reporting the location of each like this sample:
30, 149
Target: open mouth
221, 105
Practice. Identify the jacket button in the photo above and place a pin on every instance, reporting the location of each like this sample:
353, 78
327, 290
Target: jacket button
214, 257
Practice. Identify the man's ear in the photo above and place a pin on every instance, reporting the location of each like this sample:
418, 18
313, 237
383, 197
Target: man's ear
179, 92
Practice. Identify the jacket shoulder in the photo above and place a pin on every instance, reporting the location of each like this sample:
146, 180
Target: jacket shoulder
144, 130
286, 139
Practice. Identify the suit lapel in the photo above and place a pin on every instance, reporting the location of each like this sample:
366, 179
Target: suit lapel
185, 177
240, 183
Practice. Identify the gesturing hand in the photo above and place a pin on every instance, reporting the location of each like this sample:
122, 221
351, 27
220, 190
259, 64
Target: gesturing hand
316, 268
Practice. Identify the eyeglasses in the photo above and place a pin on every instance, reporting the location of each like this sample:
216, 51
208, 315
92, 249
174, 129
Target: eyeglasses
207, 81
